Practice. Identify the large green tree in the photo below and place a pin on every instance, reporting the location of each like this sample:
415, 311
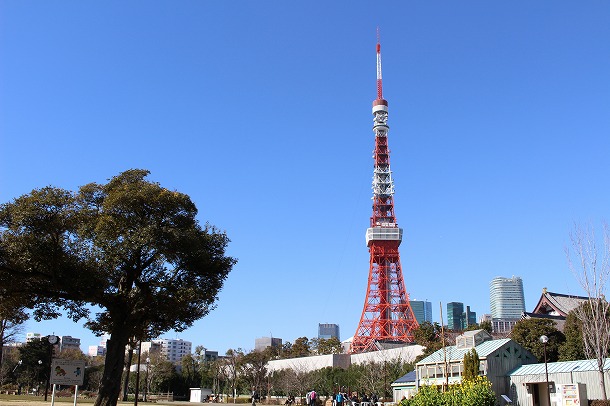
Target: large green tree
573, 348
130, 247
324, 346
527, 333
430, 336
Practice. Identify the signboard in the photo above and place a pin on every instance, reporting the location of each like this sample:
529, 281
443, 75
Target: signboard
67, 372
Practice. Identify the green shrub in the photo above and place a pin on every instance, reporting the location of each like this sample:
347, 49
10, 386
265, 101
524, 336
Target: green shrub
473, 392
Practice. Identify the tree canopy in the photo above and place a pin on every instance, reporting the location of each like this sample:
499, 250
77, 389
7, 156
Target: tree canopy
430, 336
573, 348
527, 333
130, 247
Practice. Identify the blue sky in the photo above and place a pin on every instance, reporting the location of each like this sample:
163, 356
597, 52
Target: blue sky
260, 111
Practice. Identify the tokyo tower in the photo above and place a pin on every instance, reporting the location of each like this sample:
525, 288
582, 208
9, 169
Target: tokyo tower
387, 317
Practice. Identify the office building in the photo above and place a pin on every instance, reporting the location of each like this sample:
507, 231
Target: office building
507, 303
422, 310
326, 331
261, 343
470, 318
455, 315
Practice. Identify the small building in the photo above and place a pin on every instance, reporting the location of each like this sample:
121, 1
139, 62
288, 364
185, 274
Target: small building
497, 359
578, 380
199, 395
405, 386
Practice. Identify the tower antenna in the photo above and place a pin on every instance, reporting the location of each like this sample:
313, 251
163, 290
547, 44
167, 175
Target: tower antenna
379, 79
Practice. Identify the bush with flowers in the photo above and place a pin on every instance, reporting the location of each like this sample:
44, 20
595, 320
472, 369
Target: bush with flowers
472, 392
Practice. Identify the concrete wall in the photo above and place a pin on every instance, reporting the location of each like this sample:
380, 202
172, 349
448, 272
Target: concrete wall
306, 364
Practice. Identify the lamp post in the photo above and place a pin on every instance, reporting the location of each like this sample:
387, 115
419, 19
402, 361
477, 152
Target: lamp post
38, 387
146, 379
135, 402
544, 340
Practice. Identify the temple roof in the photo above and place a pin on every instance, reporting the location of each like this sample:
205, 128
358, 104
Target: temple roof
557, 304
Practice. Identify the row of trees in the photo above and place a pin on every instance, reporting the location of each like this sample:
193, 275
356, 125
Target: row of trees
239, 372
305, 347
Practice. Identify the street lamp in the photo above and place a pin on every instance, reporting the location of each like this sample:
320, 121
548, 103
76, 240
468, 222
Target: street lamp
38, 387
18, 363
544, 339
146, 378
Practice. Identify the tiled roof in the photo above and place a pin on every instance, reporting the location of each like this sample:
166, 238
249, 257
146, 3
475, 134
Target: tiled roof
559, 367
565, 303
561, 303
453, 353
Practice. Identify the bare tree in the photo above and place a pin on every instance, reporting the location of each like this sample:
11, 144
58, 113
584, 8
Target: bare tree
590, 264
12, 317
231, 369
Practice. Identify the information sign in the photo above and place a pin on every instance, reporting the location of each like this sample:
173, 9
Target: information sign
67, 372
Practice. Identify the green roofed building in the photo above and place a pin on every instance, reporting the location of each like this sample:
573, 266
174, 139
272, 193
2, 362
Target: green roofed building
497, 359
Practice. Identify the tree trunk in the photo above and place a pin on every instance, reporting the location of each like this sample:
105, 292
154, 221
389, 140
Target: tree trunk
602, 383
126, 378
110, 387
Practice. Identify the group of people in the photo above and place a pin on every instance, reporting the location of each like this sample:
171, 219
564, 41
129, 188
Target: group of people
342, 398
339, 399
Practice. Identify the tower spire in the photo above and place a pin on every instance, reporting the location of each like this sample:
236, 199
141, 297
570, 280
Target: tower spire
387, 316
379, 78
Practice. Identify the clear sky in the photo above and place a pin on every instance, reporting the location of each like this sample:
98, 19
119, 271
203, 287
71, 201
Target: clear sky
261, 112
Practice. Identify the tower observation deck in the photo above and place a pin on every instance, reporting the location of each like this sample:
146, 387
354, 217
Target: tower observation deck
387, 317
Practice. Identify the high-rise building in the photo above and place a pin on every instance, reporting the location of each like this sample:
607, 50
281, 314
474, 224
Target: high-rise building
261, 343
328, 330
470, 318
173, 350
455, 315
507, 302
422, 310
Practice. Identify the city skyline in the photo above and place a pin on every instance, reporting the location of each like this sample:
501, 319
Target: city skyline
262, 115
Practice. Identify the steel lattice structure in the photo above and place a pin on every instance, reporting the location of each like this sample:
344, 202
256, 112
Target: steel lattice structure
387, 316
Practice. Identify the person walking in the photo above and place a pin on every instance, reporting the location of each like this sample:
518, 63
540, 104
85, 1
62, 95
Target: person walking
254, 396
311, 398
339, 399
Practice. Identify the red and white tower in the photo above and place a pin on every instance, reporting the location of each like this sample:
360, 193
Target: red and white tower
387, 316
